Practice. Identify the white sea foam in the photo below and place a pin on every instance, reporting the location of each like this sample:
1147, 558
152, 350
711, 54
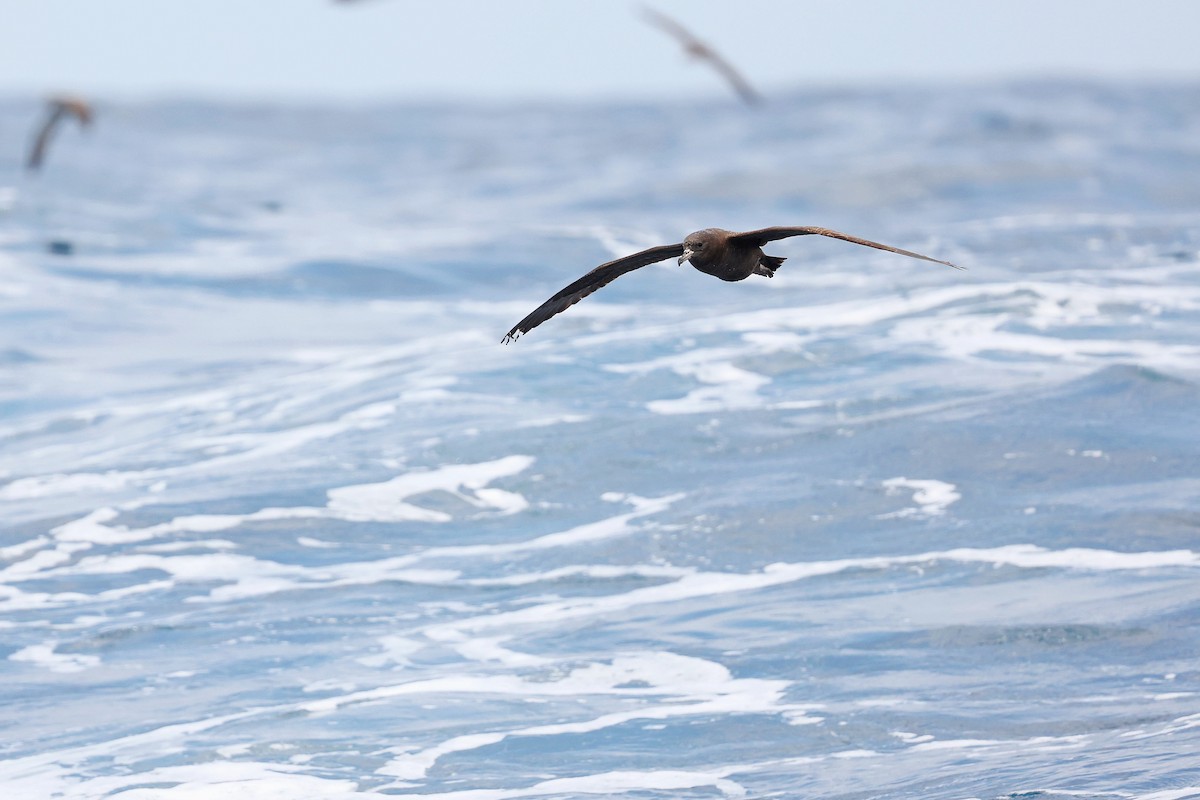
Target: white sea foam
592, 571
39, 486
53, 774
237, 448
13, 599
15, 551
1170, 794
318, 544
1047, 307
931, 496
371, 502
224, 450
46, 655
729, 388
726, 385
196, 544
692, 687
244, 576
606, 783
217, 779
560, 419
484, 649
41, 560
1035, 743
393, 650
1187, 722
92, 529
713, 584
608, 528
384, 502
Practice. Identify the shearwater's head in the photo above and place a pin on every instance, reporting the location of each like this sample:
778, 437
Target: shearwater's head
701, 244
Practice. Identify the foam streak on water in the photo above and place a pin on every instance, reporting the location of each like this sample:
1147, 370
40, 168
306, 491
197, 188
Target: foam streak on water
283, 518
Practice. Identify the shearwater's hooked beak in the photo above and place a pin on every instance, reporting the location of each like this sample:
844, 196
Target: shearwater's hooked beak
687, 253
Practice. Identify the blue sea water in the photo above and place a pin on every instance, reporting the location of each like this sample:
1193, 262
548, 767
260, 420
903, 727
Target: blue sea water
282, 518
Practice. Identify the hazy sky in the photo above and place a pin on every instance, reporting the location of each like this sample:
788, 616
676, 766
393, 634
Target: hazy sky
506, 49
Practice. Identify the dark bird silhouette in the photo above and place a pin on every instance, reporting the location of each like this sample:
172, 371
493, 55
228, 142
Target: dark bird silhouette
727, 255
698, 49
59, 109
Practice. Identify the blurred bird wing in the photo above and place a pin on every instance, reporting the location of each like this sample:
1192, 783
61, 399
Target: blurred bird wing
661, 20
38, 152
735, 79
761, 237
702, 50
597, 278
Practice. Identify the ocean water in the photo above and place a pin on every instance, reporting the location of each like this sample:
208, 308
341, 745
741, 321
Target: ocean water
282, 517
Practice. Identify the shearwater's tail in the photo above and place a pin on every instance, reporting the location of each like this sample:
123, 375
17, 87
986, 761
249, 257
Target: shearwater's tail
768, 264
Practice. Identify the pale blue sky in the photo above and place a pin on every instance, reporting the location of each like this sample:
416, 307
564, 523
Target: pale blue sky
508, 49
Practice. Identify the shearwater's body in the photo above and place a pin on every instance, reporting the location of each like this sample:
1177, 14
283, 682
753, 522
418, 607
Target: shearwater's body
714, 252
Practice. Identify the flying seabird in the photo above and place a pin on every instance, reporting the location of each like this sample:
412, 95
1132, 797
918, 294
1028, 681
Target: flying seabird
727, 255
59, 108
698, 49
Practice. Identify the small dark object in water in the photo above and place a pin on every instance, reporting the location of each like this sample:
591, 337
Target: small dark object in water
699, 50
60, 247
60, 108
724, 254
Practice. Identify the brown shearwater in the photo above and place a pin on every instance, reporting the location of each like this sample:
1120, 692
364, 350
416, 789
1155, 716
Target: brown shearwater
724, 254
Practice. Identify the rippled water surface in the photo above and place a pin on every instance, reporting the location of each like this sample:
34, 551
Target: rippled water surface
283, 518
